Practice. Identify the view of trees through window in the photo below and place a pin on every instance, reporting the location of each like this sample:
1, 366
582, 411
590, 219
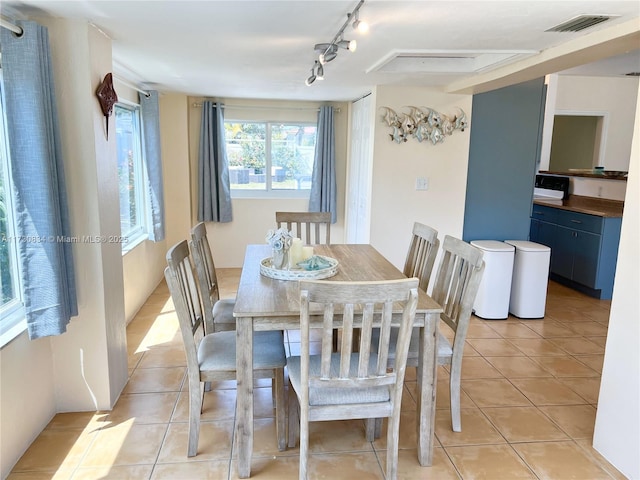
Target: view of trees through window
270, 156
9, 289
128, 142
6, 267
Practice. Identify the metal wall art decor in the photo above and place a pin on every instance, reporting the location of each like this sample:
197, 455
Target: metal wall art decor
107, 97
423, 123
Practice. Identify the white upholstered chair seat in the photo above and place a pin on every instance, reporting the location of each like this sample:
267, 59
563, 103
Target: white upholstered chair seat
444, 345
218, 352
223, 314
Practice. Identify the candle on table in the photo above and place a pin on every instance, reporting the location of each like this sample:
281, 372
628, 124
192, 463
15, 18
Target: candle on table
307, 253
295, 253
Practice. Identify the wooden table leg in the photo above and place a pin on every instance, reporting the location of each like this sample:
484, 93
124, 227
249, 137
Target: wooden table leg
244, 404
426, 391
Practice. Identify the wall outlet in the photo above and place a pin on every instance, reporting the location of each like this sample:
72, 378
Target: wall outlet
422, 183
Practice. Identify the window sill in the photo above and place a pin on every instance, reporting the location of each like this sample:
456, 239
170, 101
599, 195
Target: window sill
13, 331
273, 194
133, 243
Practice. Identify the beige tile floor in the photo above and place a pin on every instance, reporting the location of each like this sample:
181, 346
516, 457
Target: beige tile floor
529, 398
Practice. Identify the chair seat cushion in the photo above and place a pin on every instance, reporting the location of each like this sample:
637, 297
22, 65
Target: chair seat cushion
336, 396
223, 311
217, 351
444, 346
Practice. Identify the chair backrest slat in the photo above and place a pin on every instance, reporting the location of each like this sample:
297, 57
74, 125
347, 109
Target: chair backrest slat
365, 340
327, 329
422, 253
385, 332
303, 221
457, 283
347, 340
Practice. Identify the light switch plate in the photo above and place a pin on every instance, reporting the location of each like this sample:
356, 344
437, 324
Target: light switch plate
422, 183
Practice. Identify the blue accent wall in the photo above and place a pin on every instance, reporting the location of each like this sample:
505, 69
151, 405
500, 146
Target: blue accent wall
506, 132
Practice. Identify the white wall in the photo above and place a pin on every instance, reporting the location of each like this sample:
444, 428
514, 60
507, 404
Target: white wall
142, 269
396, 204
27, 400
90, 360
614, 97
617, 430
174, 128
600, 188
252, 218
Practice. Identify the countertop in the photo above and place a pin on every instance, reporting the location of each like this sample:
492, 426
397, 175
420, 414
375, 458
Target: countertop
601, 207
609, 175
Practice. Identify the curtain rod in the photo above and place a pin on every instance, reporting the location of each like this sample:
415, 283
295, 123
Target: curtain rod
18, 31
10, 26
265, 107
131, 85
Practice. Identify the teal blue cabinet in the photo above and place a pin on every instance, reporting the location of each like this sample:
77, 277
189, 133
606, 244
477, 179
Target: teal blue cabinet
543, 231
579, 258
584, 248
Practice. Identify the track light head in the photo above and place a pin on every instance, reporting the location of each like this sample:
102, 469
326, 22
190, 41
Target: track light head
350, 45
360, 25
325, 58
328, 52
319, 71
312, 77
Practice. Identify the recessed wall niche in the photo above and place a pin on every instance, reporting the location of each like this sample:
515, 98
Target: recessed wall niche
576, 142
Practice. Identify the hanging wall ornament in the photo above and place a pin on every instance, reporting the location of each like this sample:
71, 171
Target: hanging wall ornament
107, 97
423, 123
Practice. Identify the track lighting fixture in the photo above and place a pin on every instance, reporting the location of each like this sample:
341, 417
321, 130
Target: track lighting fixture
329, 51
360, 25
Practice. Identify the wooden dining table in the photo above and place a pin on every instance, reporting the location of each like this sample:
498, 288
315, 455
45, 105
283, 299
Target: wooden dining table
264, 303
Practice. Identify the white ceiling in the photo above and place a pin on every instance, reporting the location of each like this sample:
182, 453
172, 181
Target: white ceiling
264, 48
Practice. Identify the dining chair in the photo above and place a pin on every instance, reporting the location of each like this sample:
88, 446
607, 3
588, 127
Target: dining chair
212, 356
303, 223
422, 253
455, 288
218, 313
421, 256
349, 384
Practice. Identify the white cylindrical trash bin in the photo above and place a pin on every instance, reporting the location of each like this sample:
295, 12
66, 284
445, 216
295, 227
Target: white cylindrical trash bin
492, 300
530, 279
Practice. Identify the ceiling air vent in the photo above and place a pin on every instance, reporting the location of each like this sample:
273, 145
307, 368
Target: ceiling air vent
580, 22
633, 74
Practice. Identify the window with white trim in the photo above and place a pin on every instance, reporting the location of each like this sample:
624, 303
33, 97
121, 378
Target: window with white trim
11, 304
270, 158
131, 174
